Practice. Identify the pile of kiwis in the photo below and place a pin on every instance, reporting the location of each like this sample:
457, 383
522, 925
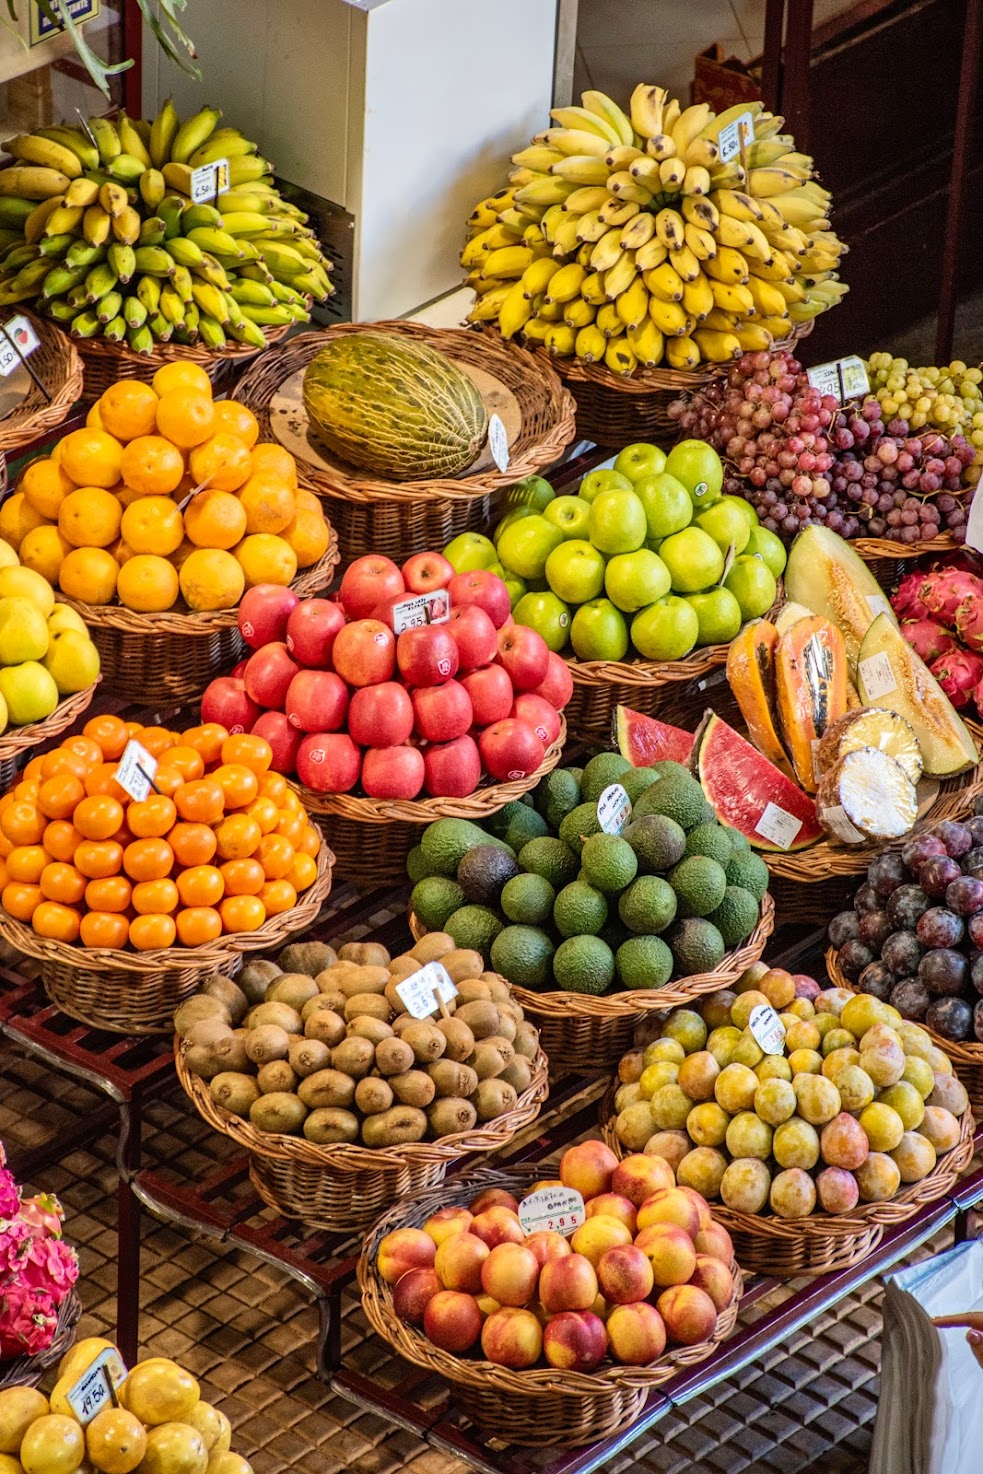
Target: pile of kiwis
319, 1044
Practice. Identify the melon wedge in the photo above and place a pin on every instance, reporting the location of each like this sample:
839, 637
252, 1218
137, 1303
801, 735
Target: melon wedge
829, 578
746, 791
891, 675
644, 741
751, 675
789, 614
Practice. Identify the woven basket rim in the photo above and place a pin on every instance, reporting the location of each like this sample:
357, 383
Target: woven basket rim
175, 352
414, 1345
58, 364
20, 739
884, 547
960, 1051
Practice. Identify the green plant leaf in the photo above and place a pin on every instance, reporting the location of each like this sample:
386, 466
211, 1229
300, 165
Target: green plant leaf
177, 46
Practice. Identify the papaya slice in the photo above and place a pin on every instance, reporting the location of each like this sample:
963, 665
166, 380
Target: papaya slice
751, 675
811, 689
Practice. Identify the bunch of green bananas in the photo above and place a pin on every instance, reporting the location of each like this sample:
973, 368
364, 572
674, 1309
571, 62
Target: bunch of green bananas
99, 232
624, 238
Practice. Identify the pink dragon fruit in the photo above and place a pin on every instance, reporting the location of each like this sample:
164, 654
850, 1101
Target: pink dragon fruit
28, 1320
942, 593
969, 623
957, 674
928, 639
906, 603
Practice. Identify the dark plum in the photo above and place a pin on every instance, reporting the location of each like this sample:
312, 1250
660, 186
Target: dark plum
875, 928
950, 1017
937, 873
964, 896
911, 998
844, 927
906, 904
902, 952
885, 873
978, 1020
956, 837
978, 805
945, 973
921, 848
866, 899
852, 958
975, 827
877, 980
940, 928
973, 862
976, 973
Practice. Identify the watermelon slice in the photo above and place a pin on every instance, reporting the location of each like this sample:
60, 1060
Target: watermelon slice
644, 741
749, 793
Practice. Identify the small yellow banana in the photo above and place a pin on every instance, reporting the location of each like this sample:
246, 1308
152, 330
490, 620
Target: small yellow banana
682, 352
717, 347
652, 254
607, 251
608, 321
686, 262
669, 317
639, 231
537, 275
591, 227
592, 289
620, 357
622, 156
701, 242
669, 228
588, 197
619, 277
646, 109
618, 212
727, 266
627, 189
565, 283
768, 300
647, 343
733, 298
632, 304
590, 344
560, 340
578, 314
571, 141
507, 261
754, 337
698, 297
696, 180
672, 172
665, 282
515, 311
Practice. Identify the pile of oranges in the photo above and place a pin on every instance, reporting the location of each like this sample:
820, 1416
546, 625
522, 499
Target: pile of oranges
101, 517
221, 843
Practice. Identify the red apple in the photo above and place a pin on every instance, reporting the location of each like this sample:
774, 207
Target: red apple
491, 694
311, 631
392, 772
484, 589
263, 613
284, 739
558, 685
268, 674
541, 716
383, 611
425, 572
381, 716
442, 713
317, 701
452, 769
474, 633
225, 701
510, 749
427, 655
364, 652
524, 654
237, 670
367, 582
328, 762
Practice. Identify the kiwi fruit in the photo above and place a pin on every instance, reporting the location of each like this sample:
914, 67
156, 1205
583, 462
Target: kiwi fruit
267, 1042
396, 1127
452, 1079
234, 1092
306, 957
330, 1126
326, 1025
425, 1040
481, 1017
472, 990
493, 1098
373, 1095
354, 1057
402, 967
277, 1075
502, 1045
432, 948
518, 1074
393, 1056
372, 1004
279, 1114
463, 963
372, 1029
230, 1051
292, 988
334, 999
206, 1033
448, 1116
314, 1005
460, 1040
281, 1014
500, 990
327, 1088
364, 954
255, 978
364, 980
196, 1010
306, 1056
201, 1060
526, 1041
486, 1061
227, 992
414, 1088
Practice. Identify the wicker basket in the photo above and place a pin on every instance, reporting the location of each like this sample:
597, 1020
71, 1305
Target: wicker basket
823, 1241
588, 1034
27, 1371
888, 560
104, 361
398, 518
57, 364
19, 743
344, 1187
172, 656
372, 837
138, 992
535, 1407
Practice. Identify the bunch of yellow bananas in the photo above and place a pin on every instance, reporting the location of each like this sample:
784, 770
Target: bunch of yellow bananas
624, 238
99, 232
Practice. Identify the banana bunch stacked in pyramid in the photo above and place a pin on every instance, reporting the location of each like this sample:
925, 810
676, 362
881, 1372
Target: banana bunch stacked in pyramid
98, 231
654, 237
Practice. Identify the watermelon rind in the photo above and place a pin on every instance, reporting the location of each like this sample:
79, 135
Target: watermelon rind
644, 741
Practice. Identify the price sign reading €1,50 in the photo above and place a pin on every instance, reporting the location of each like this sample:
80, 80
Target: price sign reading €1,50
552, 1210
96, 1388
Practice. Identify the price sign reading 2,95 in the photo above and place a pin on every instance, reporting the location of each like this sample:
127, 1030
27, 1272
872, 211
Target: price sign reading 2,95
552, 1210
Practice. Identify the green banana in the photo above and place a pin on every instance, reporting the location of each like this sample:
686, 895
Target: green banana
14, 211
56, 246
126, 168
140, 339
270, 317
153, 232
248, 222
247, 331
216, 241
170, 210
75, 298
162, 329
252, 294
107, 139
86, 325
154, 260
148, 292
196, 216
21, 256
31, 275
282, 259
115, 330
134, 312
81, 253
61, 279
183, 283
283, 293
211, 332
122, 259
62, 310
256, 271
100, 280
109, 306
191, 316
185, 252
163, 131
193, 134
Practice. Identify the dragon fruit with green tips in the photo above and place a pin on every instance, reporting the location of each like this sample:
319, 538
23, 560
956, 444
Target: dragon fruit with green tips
928, 639
959, 674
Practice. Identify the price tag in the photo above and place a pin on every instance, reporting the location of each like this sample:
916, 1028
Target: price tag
552, 1210
853, 377
876, 676
498, 442
715, 678
18, 341
96, 1388
613, 809
837, 823
410, 614
730, 139
767, 1029
878, 604
137, 771
778, 825
208, 181
424, 991
826, 378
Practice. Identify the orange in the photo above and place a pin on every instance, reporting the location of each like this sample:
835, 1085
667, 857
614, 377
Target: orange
292, 825
61, 839
252, 752
167, 780
290, 803
154, 897
25, 792
20, 900
181, 376
265, 812
310, 843
156, 740
63, 760
17, 519
212, 579
215, 519
186, 417
97, 859
133, 728
119, 549
276, 855
152, 817
148, 859
238, 837
273, 460
109, 733
151, 933
278, 896
85, 748
100, 815
89, 575
152, 465
202, 801
242, 877
242, 913
238, 783
234, 418
307, 501
127, 409
188, 762
201, 885
193, 844
303, 872
91, 457
152, 525
269, 502
197, 925
207, 740
274, 786
89, 517
61, 882
32, 770
93, 420
102, 781
308, 535
22, 823
60, 923
266, 558
104, 929
57, 797
26, 862
146, 582
181, 555
223, 461
109, 893
45, 486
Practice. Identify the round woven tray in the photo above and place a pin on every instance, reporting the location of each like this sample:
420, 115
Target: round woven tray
27, 1371
175, 654
582, 1032
823, 1241
104, 362
19, 743
138, 992
535, 1407
58, 365
398, 518
345, 1187
371, 837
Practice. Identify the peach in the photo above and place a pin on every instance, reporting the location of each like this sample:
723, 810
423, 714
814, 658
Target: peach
512, 1338
914, 1156
547, 1245
793, 1194
445, 1222
599, 1234
493, 1197
699, 1203
670, 1205
452, 1320
510, 1274
402, 1250
879, 1178
715, 1242
567, 1284
613, 1205
715, 1279
413, 1292
575, 1341
636, 1333
459, 1260
843, 1142
638, 1176
837, 1190
690, 1315
670, 1251
940, 1127
497, 1225
544, 1182
778, 986
588, 1167
487, 1304
671, 1146
697, 1074
624, 1274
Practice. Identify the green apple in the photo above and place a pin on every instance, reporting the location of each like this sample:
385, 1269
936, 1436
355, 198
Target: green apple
599, 632
718, 614
548, 615
761, 544
745, 507
575, 571
726, 524
639, 460
603, 479
617, 522
532, 491
693, 559
525, 546
516, 515
632, 580
667, 504
516, 586
753, 585
697, 466
571, 514
666, 630
72, 662
470, 551
29, 692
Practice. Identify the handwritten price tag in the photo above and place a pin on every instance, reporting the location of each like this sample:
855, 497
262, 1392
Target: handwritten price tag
208, 181
424, 991
730, 139
778, 825
137, 771
613, 809
767, 1028
552, 1210
410, 614
18, 341
844, 378
96, 1388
